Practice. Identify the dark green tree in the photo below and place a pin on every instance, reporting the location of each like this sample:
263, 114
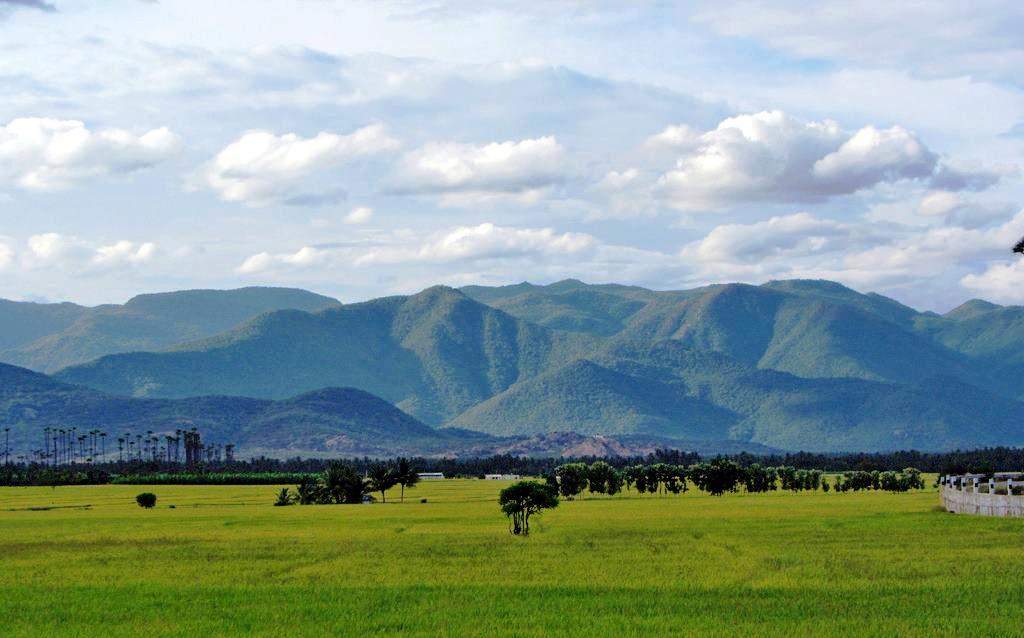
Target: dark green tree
408, 477
342, 484
598, 475
717, 477
522, 500
382, 477
146, 500
572, 479
309, 491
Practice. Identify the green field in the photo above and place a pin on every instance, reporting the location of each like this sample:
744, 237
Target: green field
224, 562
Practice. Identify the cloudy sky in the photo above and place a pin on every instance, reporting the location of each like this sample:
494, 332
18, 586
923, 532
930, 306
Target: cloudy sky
368, 148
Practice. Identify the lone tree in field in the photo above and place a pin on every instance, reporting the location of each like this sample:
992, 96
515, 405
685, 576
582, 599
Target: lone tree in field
146, 500
524, 499
382, 478
407, 475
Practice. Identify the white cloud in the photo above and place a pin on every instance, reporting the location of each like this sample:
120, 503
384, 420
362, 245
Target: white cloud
404, 260
521, 169
359, 215
483, 242
953, 209
46, 154
674, 137
872, 156
54, 250
773, 157
1002, 282
124, 252
261, 168
261, 262
800, 234
618, 180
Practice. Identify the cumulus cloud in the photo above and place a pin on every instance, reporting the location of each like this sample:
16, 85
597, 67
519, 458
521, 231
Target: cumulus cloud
773, 157
46, 154
799, 234
262, 262
1002, 282
520, 169
261, 168
920, 264
124, 252
55, 250
953, 209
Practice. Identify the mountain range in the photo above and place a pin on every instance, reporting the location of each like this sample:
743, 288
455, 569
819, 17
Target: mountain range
792, 365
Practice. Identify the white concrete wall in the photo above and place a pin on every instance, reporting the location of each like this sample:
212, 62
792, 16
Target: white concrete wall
968, 502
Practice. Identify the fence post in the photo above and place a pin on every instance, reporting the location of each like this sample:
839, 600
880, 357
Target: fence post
1009, 487
974, 487
991, 486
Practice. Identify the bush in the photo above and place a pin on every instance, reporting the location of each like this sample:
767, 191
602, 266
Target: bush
146, 500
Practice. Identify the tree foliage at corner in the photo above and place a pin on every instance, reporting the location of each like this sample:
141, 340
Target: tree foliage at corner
524, 499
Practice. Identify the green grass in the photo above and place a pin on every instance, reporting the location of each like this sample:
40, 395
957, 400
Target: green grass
225, 562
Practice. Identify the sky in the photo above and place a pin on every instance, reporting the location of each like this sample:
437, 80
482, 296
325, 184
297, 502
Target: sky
362, 149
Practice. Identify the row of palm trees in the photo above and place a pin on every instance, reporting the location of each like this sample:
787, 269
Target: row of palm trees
71, 446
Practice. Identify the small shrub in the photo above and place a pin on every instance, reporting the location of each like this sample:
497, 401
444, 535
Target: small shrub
146, 500
423, 500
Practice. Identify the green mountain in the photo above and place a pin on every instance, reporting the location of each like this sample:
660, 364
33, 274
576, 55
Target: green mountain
433, 354
48, 337
790, 364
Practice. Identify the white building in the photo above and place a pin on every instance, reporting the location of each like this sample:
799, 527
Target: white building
501, 477
430, 476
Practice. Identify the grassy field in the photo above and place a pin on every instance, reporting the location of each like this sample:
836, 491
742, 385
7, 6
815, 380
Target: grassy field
223, 561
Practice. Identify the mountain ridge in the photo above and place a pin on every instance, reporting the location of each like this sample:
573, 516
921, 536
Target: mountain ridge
794, 364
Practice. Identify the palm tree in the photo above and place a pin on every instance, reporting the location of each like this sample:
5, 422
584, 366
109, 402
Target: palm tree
407, 475
382, 477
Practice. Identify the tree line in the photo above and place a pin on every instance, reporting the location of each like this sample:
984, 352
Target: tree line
344, 483
716, 477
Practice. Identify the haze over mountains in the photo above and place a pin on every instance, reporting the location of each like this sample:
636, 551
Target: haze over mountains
791, 365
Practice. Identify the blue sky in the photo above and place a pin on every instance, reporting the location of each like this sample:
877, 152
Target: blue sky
368, 148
